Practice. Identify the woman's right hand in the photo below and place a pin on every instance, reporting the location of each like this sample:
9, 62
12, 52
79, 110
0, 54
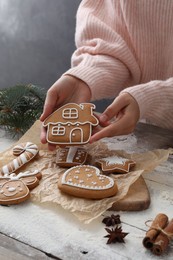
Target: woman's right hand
67, 89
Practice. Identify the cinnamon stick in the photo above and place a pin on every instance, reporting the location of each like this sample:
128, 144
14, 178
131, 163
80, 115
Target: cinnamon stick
162, 241
160, 222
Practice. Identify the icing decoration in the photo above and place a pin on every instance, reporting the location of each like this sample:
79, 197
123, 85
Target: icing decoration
96, 186
15, 188
115, 164
71, 124
71, 156
115, 160
25, 152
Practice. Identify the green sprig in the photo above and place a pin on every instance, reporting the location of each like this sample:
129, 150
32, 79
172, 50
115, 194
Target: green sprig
20, 107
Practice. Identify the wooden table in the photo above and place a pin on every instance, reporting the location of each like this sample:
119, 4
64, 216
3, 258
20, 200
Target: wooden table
62, 236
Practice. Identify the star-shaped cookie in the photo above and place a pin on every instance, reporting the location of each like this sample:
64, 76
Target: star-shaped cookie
115, 164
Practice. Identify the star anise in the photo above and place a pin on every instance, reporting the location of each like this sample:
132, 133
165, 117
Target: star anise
115, 235
111, 220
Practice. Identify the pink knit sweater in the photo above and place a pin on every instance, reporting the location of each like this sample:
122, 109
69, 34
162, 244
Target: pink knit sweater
127, 46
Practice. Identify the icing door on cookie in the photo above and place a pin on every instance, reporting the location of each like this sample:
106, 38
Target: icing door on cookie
76, 135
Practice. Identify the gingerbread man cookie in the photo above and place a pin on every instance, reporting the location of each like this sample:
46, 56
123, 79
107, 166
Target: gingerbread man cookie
86, 181
71, 124
15, 189
115, 164
71, 156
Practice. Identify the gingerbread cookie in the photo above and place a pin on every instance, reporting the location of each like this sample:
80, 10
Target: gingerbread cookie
15, 189
71, 156
71, 124
26, 152
85, 181
115, 164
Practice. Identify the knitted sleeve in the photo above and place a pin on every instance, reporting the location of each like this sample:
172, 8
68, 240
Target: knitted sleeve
155, 100
103, 58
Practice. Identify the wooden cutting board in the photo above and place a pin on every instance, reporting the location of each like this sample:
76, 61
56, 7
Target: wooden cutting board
137, 198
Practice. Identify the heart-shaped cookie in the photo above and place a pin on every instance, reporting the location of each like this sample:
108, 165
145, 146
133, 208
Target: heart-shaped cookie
85, 181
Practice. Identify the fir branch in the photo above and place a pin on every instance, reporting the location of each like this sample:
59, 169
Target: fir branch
20, 106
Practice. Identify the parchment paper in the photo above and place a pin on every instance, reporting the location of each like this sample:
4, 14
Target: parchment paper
47, 193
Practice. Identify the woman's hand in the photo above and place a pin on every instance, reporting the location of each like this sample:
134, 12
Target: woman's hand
65, 90
120, 118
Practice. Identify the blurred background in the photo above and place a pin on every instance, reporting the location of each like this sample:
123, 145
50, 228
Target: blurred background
36, 41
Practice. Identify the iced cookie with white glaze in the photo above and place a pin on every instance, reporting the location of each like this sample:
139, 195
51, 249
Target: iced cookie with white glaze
25, 152
15, 189
71, 124
86, 181
115, 164
71, 156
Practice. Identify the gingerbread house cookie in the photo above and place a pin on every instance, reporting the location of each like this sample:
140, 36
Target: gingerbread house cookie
71, 124
86, 181
115, 164
71, 156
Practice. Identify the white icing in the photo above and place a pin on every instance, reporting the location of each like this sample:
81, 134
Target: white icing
13, 176
115, 160
74, 154
71, 154
24, 174
73, 134
5, 169
81, 124
30, 149
23, 158
91, 187
70, 113
15, 162
11, 189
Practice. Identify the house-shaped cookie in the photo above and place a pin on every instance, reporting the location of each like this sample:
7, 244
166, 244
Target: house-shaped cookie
71, 124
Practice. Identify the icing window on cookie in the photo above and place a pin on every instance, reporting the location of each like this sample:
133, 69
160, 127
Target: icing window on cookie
70, 113
58, 130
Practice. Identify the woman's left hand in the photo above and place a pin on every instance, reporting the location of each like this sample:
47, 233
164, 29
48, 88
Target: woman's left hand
119, 118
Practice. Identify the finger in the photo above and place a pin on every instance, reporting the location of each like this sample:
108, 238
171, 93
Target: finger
113, 110
50, 102
51, 147
103, 122
96, 129
43, 135
81, 99
49, 106
119, 127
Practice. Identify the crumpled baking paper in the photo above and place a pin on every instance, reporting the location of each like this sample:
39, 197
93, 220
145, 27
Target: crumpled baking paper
85, 210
